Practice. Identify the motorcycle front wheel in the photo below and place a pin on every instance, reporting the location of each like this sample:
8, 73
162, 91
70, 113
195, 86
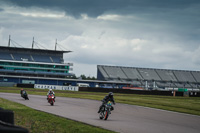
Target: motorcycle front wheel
106, 115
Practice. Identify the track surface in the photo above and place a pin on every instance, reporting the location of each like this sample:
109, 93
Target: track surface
124, 119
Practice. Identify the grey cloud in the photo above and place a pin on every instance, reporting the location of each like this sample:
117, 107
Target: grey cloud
172, 23
94, 8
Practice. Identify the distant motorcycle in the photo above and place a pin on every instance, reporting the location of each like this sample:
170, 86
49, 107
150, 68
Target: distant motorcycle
105, 111
25, 95
51, 99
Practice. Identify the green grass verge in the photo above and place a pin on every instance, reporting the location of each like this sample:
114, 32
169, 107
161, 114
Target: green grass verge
41, 122
190, 105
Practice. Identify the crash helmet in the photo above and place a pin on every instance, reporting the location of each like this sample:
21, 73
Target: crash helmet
110, 94
50, 90
22, 89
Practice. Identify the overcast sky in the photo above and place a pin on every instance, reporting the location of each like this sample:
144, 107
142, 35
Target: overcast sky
161, 34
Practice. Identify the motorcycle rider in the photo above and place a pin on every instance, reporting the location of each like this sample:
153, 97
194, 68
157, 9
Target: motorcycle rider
107, 98
22, 92
51, 92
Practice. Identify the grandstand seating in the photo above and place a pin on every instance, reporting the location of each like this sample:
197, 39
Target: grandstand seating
30, 57
5, 56
21, 57
166, 75
187, 86
143, 76
102, 73
115, 73
22, 72
196, 75
5, 70
193, 85
149, 74
132, 73
56, 59
41, 58
184, 76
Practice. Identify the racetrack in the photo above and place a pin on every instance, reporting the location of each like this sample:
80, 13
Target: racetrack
125, 118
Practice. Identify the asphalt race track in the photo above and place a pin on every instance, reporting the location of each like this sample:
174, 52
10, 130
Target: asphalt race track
124, 119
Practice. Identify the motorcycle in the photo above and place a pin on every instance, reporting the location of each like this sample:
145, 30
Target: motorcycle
51, 99
105, 111
24, 95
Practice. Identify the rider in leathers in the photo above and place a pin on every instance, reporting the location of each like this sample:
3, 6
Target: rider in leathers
107, 98
51, 92
22, 92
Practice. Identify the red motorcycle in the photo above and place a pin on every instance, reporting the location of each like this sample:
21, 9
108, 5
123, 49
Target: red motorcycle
51, 99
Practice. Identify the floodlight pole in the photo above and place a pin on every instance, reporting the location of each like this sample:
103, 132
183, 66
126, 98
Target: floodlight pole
33, 43
55, 44
9, 41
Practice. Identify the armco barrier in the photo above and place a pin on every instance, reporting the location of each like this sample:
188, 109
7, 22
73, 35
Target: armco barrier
7, 84
126, 91
26, 85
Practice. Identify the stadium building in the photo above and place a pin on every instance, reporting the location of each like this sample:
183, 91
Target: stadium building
150, 78
41, 66
29, 65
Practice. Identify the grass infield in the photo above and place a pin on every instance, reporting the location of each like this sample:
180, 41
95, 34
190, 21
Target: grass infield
41, 122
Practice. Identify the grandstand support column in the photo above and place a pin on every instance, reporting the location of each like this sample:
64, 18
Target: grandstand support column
146, 85
174, 92
154, 85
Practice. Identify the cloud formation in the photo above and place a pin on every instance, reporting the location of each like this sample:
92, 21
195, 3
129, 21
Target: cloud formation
145, 33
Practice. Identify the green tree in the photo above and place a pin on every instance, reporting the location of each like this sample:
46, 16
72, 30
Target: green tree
83, 76
87, 78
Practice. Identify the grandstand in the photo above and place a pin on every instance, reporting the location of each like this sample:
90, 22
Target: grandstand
41, 66
29, 62
149, 77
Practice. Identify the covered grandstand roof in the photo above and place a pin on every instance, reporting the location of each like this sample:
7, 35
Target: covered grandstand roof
119, 73
31, 55
5, 48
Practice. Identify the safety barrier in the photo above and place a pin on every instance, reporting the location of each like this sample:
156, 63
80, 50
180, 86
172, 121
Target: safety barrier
7, 84
56, 87
26, 85
126, 91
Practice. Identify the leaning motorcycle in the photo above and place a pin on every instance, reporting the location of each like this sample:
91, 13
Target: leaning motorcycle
25, 95
105, 111
51, 99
